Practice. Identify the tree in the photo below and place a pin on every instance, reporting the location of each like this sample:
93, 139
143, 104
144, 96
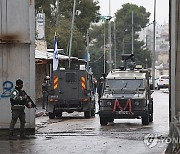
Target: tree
63, 35
124, 31
87, 13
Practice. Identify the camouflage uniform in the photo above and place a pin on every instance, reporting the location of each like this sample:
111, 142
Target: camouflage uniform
18, 101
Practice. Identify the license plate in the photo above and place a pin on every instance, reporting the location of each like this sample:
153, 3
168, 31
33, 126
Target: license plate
123, 112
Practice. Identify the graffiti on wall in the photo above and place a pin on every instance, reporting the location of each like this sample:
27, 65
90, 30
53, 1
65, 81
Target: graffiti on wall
7, 87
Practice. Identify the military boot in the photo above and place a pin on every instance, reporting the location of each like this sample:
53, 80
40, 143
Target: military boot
12, 136
23, 136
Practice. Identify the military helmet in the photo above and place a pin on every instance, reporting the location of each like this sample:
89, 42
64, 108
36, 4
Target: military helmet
19, 82
47, 78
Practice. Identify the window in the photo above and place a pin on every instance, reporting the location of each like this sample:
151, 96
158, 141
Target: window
70, 77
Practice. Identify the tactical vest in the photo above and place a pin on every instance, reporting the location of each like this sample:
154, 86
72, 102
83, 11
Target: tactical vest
15, 103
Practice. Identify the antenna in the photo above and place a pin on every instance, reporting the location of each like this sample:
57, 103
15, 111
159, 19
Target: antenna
72, 29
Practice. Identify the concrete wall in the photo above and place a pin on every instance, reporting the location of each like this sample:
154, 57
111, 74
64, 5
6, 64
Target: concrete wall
17, 46
174, 59
177, 61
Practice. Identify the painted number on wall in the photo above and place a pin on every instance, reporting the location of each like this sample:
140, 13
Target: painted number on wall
7, 88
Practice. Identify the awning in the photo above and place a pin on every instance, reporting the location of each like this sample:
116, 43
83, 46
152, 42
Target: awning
48, 55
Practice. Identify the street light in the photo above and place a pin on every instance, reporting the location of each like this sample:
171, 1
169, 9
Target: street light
115, 44
109, 37
71, 37
105, 18
154, 43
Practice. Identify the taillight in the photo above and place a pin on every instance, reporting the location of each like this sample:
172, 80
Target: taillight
55, 82
84, 100
83, 83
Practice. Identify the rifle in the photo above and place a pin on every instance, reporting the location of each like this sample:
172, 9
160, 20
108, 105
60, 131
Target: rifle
30, 100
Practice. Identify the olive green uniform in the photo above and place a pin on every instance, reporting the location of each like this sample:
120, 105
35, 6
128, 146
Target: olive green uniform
18, 101
45, 90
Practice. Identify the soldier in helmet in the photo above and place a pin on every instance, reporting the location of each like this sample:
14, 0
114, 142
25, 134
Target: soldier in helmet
45, 90
18, 101
100, 88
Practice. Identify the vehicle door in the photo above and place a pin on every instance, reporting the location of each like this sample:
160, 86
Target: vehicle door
68, 84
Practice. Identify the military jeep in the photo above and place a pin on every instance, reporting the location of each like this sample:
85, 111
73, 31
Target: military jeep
126, 95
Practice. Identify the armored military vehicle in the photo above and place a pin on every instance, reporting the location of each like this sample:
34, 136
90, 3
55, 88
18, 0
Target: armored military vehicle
126, 94
71, 90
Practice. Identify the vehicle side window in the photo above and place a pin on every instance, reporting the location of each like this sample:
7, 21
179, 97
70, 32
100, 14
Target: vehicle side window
70, 77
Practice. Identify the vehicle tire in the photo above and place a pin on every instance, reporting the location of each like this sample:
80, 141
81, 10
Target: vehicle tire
93, 112
145, 119
151, 117
51, 115
158, 88
111, 120
87, 114
58, 114
103, 121
151, 110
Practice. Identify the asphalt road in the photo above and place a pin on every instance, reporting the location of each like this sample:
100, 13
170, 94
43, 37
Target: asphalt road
74, 134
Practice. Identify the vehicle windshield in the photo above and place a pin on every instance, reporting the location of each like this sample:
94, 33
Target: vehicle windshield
133, 84
165, 77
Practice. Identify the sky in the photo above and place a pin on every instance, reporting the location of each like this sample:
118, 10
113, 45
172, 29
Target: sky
162, 8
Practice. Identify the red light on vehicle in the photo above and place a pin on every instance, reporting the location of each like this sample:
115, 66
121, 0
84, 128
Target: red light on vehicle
84, 100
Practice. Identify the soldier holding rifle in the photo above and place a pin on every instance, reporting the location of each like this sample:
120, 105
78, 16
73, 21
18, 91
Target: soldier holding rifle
19, 99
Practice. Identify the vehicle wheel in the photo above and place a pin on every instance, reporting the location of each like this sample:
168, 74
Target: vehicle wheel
103, 121
151, 117
151, 111
51, 115
111, 120
93, 112
145, 120
87, 114
158, 87
58, 114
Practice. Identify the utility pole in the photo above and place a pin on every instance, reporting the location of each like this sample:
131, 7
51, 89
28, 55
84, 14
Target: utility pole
72, 29
132, 32
87, 39
104, 48
109, 38
154, 48
123, 46
114, 44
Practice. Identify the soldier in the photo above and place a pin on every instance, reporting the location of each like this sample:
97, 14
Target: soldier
100, 88
45, 89
18, 101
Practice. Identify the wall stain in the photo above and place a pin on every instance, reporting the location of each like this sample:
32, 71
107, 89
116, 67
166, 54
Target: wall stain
10, 38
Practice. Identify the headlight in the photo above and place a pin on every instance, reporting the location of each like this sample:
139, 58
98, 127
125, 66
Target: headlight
109, 103
137, 103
